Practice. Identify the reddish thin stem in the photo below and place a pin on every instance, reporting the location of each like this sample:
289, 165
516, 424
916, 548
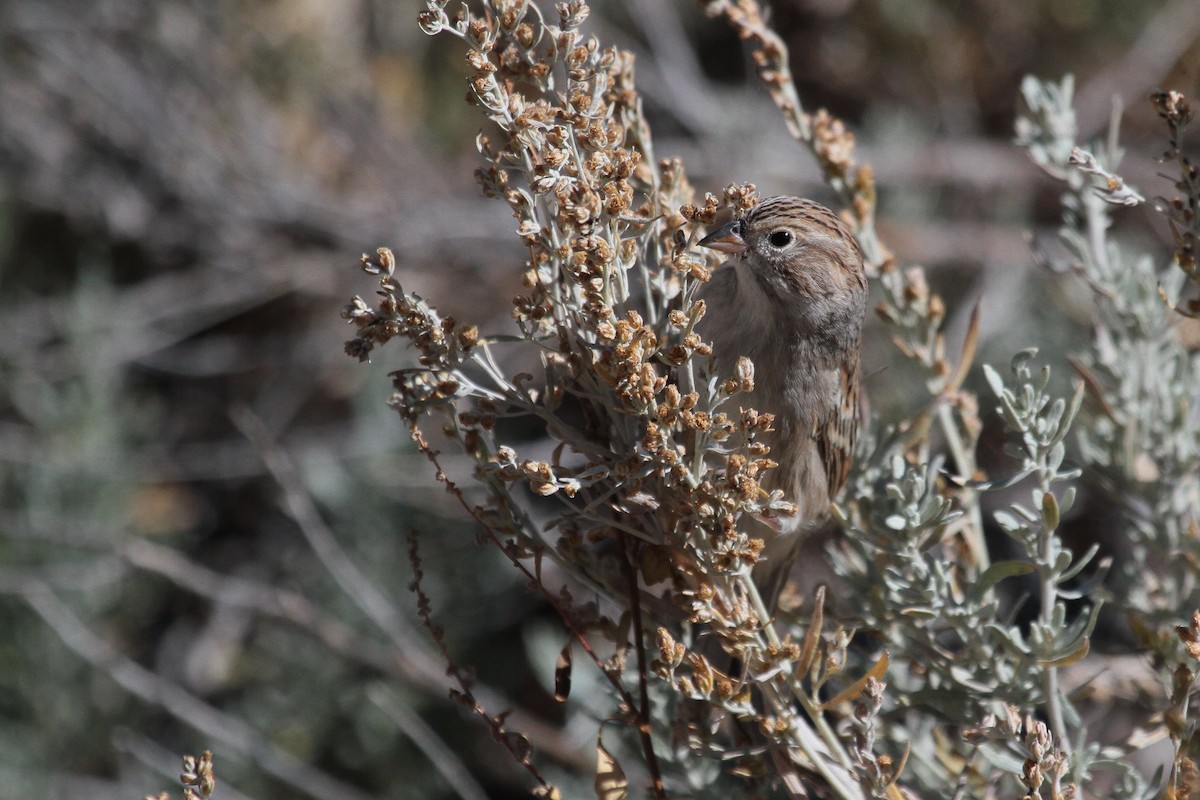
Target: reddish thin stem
643, 710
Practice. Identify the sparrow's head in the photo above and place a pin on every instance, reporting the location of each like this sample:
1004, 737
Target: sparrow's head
794, 245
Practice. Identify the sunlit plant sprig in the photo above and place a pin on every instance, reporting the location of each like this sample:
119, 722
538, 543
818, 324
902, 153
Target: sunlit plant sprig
1138, 435
954, 647
1139, 443
966, 653
654, 466
1042, 422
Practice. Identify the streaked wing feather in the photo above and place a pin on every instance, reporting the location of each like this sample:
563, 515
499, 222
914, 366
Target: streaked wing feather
836, 433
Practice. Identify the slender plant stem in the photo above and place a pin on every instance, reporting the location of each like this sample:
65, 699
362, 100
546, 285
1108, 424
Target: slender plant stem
639, 639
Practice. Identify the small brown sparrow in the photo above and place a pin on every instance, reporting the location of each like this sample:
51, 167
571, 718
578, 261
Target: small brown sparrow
792, 298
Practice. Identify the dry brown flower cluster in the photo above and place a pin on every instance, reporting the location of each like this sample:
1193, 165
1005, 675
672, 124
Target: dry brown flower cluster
198, 779
662, 464
1046, 766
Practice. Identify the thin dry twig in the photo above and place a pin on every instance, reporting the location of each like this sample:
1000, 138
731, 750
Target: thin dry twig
300, 507
277, 603
516, 744
535, 582
233, 733
413, 664
447, 762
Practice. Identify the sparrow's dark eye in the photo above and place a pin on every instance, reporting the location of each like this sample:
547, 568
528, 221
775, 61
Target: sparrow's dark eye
780, 238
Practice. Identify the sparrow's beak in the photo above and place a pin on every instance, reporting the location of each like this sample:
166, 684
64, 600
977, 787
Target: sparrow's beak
727, 238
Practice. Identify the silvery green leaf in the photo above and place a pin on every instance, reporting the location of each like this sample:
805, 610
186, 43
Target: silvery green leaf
1056, 455
1080, 563
1012, 636
1021, 359
994, 380
1029, 515
1006, 521
1011, 415
1003, 760
998, 572
1091, 588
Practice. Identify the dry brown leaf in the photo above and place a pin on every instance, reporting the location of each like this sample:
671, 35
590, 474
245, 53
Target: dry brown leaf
562, 674
611, 783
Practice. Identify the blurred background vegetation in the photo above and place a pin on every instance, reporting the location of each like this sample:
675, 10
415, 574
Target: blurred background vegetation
195, 481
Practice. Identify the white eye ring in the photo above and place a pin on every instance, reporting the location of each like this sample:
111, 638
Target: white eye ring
780, 239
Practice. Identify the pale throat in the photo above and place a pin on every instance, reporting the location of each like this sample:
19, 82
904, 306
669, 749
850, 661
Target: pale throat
796, 329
